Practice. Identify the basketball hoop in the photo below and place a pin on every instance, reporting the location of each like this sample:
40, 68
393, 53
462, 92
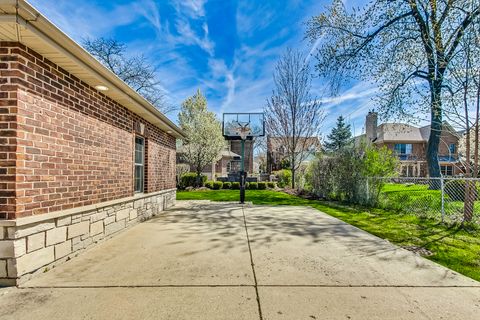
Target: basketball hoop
243, 130
243, 126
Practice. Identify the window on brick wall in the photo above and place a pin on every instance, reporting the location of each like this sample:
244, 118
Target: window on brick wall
446, 170
452, 148
403, 150
139, 163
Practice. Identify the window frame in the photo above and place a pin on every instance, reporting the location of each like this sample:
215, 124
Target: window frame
139, 164
452, 146
403, 150
446, 170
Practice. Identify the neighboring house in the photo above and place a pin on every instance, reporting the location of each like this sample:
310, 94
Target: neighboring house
82, 155
277, 151
410, 145
260, 163
230, 160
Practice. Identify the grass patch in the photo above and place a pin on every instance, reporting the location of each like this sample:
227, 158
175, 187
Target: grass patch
453, 247
418, 199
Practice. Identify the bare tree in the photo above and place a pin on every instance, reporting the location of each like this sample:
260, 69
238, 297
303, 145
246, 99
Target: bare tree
136, 71
291, 114
405, 45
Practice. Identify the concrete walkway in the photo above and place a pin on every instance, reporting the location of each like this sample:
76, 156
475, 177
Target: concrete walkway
204, 260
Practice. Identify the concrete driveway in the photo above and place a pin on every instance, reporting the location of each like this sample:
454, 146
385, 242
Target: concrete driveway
203, 260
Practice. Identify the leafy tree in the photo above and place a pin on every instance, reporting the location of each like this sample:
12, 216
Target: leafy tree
292, 114
136, 71
285, 164
340, 137
406, 46
203, 131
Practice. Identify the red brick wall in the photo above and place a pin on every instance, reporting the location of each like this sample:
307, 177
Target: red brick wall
236, 147
418, 149
446, 139
8, 133
159, 160
74, 145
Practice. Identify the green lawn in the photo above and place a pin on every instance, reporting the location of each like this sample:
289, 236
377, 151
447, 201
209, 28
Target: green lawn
453, 247
418, 199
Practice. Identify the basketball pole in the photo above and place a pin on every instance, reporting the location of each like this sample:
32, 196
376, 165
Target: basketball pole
242, 174
233, 129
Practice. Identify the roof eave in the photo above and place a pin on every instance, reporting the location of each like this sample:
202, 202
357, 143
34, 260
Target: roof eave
29, 17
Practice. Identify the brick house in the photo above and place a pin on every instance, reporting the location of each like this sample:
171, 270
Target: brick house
230, 159
410, 145
82, 155
276, 150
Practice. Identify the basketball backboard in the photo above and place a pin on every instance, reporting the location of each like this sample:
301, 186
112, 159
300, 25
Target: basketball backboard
243, 126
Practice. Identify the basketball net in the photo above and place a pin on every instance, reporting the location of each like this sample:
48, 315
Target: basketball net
243, 130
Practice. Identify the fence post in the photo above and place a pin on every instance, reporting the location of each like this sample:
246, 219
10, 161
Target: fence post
443, 197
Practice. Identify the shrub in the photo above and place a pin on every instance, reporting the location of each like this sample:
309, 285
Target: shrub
252, 185
217, 185
181, 169
284, 177
344, 175
235, 185
271, 185
262, 186
190, 180
227, 185
209, 184
247, 185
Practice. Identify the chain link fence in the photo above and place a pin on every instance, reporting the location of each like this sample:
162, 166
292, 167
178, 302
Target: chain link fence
450, 200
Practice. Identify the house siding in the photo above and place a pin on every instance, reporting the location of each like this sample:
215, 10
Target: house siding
447, 138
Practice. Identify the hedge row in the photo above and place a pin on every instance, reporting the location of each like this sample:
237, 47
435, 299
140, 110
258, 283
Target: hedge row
190, 180
216, 185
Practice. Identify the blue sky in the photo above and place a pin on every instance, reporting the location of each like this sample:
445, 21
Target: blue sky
228, 49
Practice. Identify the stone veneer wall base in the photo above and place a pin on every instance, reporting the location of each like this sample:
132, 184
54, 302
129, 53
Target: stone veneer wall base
33, 245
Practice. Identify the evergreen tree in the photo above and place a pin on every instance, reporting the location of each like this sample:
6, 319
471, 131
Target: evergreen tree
340, 137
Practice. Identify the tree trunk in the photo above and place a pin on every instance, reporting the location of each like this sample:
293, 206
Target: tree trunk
475, 161
435, 133
293, 178
470, 191
199, 177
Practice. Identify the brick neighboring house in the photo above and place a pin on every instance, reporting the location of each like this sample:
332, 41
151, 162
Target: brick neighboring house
230, 161
82, 155
277, 152
410, 145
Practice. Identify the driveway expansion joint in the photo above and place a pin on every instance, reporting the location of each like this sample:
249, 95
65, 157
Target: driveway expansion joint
253, 265
380, 286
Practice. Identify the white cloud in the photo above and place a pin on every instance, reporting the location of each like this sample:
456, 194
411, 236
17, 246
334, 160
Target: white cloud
150, 11
79, 19
358, 91
188, 36
193, 8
